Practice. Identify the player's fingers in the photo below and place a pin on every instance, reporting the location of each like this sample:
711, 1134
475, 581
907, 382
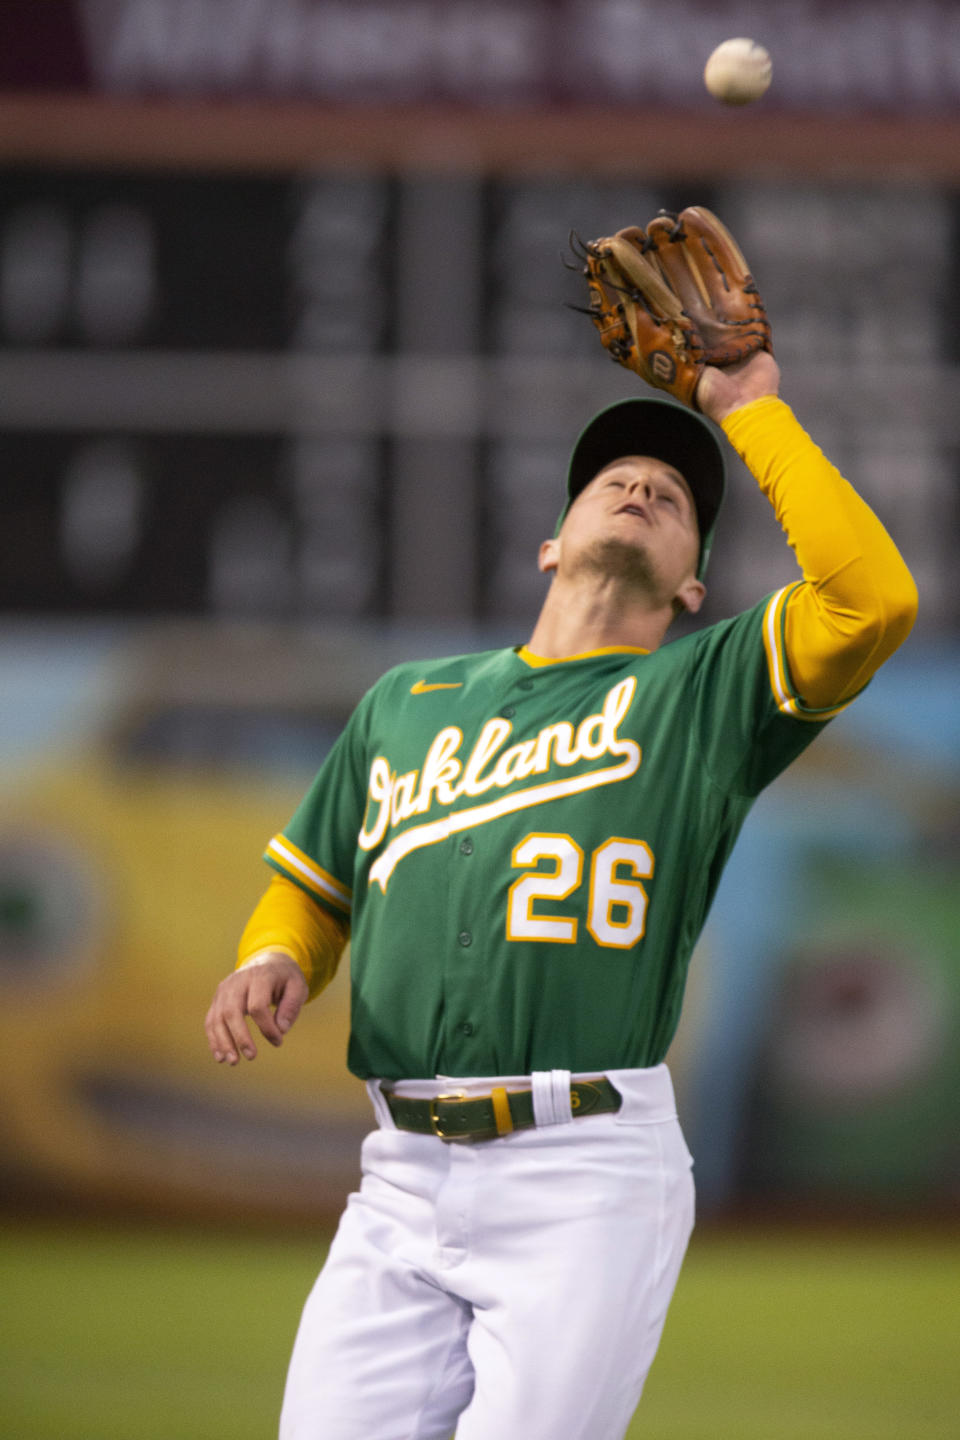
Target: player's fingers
291, 1001
218, 1036
234, 1017
228, 1028
260, 1005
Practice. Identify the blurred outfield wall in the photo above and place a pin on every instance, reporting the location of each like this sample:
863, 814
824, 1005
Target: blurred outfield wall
818, 1061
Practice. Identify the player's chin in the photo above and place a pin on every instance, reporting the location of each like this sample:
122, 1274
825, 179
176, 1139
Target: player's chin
623, 556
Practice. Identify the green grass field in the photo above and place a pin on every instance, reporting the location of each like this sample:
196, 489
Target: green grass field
171, 1335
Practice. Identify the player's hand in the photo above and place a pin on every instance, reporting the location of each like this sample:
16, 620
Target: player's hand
720, 392
272, 993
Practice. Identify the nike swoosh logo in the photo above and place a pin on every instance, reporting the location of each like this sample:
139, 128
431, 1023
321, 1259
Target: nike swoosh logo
422, 687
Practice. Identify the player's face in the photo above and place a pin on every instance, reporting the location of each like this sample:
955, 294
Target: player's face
636, 516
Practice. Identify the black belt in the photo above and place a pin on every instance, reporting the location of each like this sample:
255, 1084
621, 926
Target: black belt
456, 1116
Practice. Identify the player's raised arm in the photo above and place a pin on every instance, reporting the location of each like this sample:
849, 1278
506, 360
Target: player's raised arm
677, 304
858, 600
288, 952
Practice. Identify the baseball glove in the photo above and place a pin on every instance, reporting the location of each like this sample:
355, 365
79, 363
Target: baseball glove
674, 298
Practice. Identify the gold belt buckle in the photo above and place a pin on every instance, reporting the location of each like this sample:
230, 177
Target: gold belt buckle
435, 1118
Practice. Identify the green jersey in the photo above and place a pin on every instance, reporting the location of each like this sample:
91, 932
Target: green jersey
528, 849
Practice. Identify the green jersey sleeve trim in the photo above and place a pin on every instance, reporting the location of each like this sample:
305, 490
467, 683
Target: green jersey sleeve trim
284, 856
785, 693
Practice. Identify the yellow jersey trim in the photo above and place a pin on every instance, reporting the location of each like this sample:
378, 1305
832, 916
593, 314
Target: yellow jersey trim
529, 658
301, 867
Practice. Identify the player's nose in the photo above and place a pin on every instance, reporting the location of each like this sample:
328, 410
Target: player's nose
641, 485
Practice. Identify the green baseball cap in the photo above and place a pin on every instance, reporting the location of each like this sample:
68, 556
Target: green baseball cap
668, 432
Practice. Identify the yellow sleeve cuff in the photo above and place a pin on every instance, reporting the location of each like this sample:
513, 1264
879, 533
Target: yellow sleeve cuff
286, 919
733, 422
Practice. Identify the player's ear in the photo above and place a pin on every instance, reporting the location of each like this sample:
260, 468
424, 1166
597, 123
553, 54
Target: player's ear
691, 595
548, 556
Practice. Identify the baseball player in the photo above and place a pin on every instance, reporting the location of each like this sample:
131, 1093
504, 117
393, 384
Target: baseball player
523, 845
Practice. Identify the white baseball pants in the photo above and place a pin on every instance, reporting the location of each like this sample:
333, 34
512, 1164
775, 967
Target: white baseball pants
507, 1289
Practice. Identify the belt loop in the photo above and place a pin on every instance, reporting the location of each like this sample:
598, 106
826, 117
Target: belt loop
380, 1107
501, 1110
551, 1097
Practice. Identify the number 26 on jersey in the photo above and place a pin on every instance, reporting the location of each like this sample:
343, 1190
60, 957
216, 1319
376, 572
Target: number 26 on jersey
617, 903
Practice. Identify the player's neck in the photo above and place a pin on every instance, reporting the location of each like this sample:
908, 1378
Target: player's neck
576, 620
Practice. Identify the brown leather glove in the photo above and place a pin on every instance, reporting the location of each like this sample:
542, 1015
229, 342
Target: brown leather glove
669, 300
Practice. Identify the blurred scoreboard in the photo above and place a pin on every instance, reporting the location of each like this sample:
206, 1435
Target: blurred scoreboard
352, 393
242, 394
151, 457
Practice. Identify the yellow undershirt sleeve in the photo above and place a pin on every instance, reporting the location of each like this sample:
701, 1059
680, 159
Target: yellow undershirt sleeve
858, 600
287, 919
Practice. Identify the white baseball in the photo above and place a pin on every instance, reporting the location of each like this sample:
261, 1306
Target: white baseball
738, 71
